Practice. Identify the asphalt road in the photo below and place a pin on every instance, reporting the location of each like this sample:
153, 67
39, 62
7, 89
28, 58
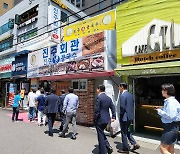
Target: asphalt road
28, 138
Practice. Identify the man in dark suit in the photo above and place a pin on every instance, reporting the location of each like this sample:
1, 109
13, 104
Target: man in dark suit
52, 109
60, 107
102, 118
126, 118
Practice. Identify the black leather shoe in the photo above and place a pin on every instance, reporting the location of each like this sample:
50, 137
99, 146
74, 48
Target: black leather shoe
60, 128
50, 134
109, 150
135, 147
73, 137
62, 135
123, 151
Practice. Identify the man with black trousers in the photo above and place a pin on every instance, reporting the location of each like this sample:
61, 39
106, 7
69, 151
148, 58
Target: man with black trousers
102, 118
60, 107
52, 108
126, 118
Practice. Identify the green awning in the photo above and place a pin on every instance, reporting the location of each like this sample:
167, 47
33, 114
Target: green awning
150, 69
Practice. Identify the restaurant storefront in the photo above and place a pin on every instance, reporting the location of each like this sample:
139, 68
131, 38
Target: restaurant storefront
84, 61
146, 81
83, 72
5, 78
148, 53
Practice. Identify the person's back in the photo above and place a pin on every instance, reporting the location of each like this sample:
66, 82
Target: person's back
70, 106
38, 92
32, 99
17, 98
126, 118
71, 102
106, 104
129, 106
52, 103
15, 106
102, 118
61, 100
41, 102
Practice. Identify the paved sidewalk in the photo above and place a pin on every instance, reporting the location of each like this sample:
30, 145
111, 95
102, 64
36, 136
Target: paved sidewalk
28, 138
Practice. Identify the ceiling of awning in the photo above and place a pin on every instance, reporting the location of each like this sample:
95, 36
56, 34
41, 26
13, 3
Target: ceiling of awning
150, 69
82, 75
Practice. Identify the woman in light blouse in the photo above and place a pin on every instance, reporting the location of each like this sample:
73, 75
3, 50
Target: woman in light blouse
169, 117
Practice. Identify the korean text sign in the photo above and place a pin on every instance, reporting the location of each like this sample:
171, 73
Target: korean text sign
105, 21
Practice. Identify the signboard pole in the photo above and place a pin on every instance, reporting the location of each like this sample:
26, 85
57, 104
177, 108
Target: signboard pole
6, 95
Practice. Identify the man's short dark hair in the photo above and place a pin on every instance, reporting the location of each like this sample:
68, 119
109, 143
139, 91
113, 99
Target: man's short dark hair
169, 88
101, 88
123, 84
53, 90
42, 91
33, 90
71, 90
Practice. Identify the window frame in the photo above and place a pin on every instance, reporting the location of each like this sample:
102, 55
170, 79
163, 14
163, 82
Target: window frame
5, 6
79, 84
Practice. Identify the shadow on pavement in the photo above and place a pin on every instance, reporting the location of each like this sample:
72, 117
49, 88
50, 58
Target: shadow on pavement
54, 131
95, 150
120, 146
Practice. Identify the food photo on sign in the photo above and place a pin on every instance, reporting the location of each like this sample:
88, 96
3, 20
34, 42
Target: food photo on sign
97, 63
83, 65
44, 70
58, 69
93, 44
71, 67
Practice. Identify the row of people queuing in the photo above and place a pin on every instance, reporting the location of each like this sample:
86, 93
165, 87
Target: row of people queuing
45, 106
67, 106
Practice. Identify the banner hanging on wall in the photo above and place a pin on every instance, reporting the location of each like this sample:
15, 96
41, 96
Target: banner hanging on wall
105, 21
